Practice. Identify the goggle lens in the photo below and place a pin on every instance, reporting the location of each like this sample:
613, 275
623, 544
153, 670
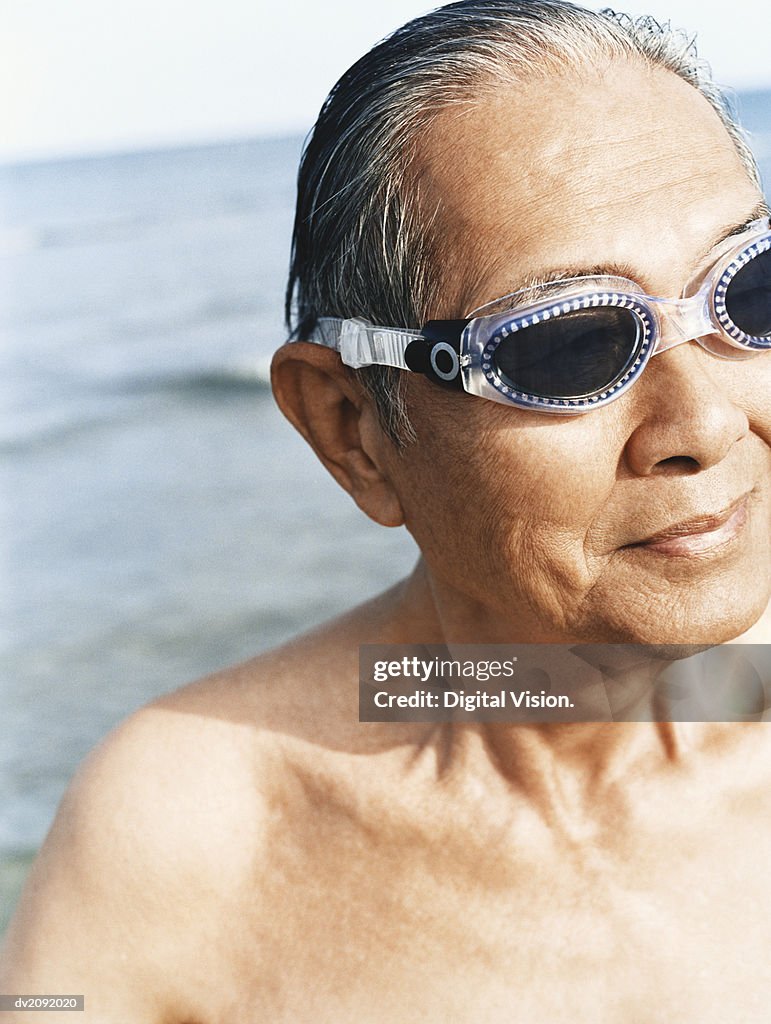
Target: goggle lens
748, 297
571, 356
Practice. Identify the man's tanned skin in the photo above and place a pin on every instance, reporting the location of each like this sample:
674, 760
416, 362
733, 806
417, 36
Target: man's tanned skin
245, 850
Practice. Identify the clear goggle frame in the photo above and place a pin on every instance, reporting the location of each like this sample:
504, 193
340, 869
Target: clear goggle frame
462, 353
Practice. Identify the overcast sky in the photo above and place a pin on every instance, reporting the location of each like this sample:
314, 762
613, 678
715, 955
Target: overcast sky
97, 75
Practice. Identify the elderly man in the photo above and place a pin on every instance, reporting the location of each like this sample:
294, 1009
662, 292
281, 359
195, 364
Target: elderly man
584, 460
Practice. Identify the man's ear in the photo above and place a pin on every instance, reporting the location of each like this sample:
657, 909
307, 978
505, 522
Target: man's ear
320, 397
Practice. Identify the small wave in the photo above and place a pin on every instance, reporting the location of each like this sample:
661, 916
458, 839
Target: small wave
59, 430
19, 240
249, 375
119, 399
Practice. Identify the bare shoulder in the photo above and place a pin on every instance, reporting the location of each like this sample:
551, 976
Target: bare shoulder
159, 823
161, 795
170, 824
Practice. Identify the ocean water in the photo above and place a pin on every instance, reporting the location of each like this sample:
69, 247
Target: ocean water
160, 518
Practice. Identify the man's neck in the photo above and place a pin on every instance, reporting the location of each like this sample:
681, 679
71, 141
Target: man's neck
538, 752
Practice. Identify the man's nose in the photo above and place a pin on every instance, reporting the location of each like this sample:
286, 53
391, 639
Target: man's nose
687, 419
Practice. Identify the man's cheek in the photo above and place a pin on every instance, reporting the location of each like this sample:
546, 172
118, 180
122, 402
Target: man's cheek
759, 415
548, 558
749, 385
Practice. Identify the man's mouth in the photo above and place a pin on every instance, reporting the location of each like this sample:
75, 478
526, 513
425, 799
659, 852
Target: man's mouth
700, 534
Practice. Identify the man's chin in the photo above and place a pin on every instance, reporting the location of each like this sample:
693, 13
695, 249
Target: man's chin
697, 609
691, 624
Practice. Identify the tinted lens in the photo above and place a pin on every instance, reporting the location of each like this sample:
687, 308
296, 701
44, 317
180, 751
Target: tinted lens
748, 297
574, 355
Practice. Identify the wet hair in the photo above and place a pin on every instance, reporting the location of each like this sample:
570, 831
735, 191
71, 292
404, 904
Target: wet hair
363, 241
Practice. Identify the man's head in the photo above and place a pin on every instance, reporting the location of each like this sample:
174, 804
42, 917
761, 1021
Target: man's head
534, 136
368, 237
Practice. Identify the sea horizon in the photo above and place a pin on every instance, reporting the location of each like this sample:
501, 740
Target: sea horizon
97, 151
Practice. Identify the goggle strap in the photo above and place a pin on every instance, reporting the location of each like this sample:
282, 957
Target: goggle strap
361, 343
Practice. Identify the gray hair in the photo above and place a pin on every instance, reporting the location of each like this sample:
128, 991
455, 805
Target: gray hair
362, 242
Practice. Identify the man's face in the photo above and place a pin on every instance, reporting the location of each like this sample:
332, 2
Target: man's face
648, 519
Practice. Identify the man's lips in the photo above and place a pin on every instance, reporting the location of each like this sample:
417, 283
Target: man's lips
700, 534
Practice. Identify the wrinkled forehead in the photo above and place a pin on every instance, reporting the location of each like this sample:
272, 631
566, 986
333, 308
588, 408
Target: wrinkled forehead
628, 165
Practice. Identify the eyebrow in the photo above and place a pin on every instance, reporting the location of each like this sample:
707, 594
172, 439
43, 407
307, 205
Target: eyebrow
759, 213
537, 281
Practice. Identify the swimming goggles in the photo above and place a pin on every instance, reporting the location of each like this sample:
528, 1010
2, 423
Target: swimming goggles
578, 344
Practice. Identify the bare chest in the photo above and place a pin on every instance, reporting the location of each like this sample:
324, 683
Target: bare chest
362, 931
